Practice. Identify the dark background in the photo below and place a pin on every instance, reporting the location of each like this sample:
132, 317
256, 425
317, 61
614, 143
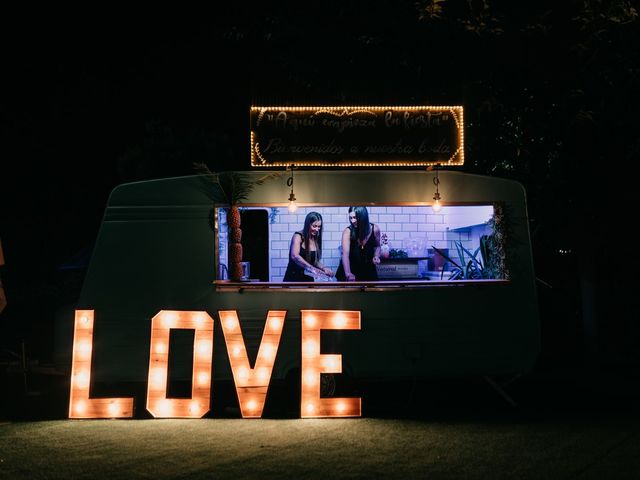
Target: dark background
92, 99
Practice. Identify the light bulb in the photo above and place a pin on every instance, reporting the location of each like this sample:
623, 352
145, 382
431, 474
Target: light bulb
292, 198
436, 196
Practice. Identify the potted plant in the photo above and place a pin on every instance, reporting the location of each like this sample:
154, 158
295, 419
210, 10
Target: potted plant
470, 267
232, 188
489, 260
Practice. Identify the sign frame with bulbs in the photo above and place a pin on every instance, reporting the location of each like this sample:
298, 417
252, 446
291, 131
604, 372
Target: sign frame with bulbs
357, 136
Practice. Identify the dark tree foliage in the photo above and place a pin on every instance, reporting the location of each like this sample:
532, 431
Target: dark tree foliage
550, 90
551, 100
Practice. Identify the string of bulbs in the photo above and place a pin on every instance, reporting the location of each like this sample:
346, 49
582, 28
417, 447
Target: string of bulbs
436, 196
292, 198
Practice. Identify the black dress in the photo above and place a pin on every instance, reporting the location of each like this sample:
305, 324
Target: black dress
295, 273
361, 260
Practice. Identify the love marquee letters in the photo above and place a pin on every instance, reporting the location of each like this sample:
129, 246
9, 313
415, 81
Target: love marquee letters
251, 383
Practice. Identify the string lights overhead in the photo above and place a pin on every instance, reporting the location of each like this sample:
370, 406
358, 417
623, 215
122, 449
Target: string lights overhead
292, 198
436, 196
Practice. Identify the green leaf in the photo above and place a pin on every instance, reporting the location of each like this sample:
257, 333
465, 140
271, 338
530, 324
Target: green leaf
230, 187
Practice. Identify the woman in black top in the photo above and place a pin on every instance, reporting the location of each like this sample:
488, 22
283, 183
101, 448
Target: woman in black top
360, 248
305, 251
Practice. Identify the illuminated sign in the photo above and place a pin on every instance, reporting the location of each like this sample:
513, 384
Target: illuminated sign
357, 136
157, 402
314, 363
80, 405
251, 383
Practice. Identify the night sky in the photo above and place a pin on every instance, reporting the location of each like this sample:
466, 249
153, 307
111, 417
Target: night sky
92, 99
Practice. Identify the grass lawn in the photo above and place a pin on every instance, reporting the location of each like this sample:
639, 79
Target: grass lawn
347, 448
566, 426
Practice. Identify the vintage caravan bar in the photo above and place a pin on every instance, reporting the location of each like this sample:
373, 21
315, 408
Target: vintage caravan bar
455, 293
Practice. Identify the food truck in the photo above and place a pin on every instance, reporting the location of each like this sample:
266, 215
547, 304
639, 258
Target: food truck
455, 293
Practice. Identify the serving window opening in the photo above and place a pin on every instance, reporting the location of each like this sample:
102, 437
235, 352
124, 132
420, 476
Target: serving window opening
417, 245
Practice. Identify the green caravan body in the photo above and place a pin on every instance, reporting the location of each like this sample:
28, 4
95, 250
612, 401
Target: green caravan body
157, 250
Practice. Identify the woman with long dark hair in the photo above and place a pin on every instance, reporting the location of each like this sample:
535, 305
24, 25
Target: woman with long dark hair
360, 248
305, 251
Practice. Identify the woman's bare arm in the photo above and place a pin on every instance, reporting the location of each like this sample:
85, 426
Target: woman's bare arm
346, 249
294, 253
376, 250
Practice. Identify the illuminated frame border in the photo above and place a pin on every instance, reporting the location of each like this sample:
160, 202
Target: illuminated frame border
456, 159
158, 404
252, 383
313, 364
80, 405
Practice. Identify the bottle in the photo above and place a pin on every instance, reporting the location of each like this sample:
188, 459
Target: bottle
318, 275
384, 248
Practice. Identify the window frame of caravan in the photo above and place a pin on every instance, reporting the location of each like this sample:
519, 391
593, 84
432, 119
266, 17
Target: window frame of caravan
340, 286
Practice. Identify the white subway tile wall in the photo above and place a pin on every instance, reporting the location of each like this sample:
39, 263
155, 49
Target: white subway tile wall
405, 228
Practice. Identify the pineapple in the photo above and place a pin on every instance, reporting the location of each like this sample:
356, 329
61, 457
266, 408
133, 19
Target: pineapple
233, 218
235, 235
235, 253
235, 273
